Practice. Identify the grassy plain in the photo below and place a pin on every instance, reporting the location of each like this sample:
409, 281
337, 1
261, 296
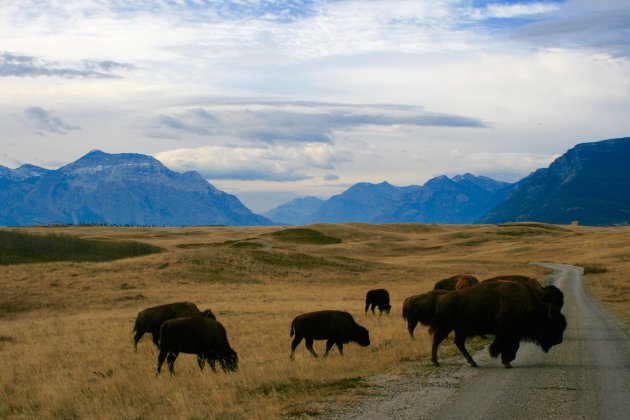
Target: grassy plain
66, 327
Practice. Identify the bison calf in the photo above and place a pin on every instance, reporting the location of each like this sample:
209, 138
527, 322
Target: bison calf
337, 327
509, 310
151, 319
378, 298
198, 335
457, 282
421, 308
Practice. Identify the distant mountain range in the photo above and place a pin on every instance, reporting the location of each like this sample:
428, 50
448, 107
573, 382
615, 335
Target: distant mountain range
462, 199
590, 184
119, 189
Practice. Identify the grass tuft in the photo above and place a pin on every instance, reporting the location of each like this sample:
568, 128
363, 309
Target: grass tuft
593, 268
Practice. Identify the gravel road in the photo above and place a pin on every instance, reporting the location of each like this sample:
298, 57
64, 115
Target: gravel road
585, 377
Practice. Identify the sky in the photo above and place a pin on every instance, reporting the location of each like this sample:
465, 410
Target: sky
271, 100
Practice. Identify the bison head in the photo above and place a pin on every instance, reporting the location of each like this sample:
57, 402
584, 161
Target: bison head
229, 362
386, 309
361, 336
552, 328
553, 295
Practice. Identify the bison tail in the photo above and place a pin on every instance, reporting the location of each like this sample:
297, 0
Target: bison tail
292, 329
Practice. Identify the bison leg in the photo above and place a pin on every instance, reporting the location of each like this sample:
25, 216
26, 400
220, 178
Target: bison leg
329, 345
201, 361
170, 359
372, 306
309, 346
508, 352
137, 337
438, 337
460, 342
367, 305
156, 339
411, 326
340, 347
161, 358
295, 343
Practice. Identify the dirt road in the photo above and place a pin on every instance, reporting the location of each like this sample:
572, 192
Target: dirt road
585, 377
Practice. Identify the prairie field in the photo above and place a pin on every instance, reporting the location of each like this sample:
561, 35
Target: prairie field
66, 327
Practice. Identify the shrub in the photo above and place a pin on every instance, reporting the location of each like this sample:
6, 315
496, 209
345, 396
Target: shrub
593, 268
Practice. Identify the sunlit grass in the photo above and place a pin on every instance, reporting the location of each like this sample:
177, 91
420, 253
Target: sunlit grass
65, 327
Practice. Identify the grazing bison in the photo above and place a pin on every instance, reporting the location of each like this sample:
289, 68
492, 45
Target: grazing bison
198, 335
549, 294
509, 310
457, 282
151, 319
377, 298
337, 327
421, 308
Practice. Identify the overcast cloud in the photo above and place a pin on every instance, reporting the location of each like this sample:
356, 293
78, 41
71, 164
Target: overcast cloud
271, 100
44, 122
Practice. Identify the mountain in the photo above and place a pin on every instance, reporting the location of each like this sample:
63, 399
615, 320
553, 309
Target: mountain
124, 189
362, 202
21, 173
589, 184
295, 212
462, 199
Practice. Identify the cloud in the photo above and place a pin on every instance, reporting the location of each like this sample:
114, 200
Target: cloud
277, 122
272, 163
514, 10
31, 66
601, 25
509, 167
44, 122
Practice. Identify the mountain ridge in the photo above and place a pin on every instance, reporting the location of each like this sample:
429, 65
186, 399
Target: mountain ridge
386, 203
122, 189
589, 184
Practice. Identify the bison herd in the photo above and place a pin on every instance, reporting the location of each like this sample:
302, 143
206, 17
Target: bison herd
513, 308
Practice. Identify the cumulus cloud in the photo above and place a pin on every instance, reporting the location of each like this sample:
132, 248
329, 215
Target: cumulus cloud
44, 122
271, 163
31, 66
277, 122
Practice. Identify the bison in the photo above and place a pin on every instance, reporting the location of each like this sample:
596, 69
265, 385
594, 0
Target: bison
457, 282
421, 308
549, 294
151, 319
198, 335
509, 310
337, 327
377, 298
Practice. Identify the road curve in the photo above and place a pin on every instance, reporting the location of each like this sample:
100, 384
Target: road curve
585, 377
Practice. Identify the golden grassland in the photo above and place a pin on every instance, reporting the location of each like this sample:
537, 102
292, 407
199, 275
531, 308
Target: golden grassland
66, 328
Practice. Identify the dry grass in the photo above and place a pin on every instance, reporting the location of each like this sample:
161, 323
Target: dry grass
65, 328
